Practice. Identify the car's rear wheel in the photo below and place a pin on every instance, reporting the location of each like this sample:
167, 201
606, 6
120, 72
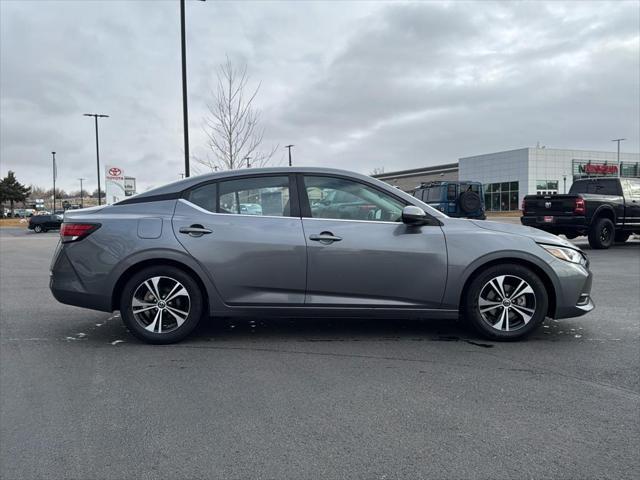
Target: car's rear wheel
601, 234
506, 302
161, 304
37, 229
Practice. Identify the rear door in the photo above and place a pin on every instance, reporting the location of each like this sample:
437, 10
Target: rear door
631, 187
248, 235
370, 259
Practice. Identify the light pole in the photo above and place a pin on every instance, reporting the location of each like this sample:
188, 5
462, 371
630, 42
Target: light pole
619, 140
81, 194
53, 154
564, 179
247, 158
185, 111
96, 116
289, 148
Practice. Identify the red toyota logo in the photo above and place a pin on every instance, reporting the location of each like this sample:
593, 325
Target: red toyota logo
115, 172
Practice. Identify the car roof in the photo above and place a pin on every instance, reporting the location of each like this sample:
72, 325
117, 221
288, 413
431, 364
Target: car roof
184, 184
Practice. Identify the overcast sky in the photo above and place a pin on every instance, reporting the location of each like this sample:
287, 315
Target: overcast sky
353, 85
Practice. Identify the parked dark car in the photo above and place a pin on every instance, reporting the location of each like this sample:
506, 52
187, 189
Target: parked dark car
169, 256
42, 223
456, 199
604, 209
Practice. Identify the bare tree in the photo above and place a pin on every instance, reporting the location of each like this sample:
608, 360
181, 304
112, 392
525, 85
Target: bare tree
376, 171
232, 124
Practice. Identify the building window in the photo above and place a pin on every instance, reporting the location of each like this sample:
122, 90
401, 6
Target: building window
501, 197
546, 187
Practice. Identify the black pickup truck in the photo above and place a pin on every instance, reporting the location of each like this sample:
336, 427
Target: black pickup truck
605, 209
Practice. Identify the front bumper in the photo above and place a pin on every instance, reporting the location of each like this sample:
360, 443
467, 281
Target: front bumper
573, 298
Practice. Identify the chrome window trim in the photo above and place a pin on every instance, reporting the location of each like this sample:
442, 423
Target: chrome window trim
204, 210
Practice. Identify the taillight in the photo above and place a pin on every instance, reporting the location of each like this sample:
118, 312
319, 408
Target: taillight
71, 232
523, 207
578, 207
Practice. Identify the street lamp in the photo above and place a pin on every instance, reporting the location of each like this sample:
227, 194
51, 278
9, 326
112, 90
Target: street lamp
185, 112
289, 148
619, 140
247, 158
96, 116
53, 154
81, 194
564, 179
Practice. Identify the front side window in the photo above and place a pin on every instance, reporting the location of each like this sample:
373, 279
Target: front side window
339, 198
255, 196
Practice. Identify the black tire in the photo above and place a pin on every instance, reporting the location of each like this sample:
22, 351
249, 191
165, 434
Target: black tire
622, 237
469, 202
601, 234
37, 229
195, 310
514, 274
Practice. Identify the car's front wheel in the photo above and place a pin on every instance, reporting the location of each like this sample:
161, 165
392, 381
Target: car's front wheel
506, 302
161, 304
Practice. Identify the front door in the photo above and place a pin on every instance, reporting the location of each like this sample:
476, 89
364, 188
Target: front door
359, 253
242, 231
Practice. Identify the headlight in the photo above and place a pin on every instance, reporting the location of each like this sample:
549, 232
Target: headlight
566, 254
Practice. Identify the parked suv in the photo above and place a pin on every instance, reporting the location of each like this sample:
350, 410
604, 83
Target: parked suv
42, 223
605, 209
456, 199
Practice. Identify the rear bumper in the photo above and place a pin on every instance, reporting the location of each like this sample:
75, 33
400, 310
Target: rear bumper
558, 223
67, 288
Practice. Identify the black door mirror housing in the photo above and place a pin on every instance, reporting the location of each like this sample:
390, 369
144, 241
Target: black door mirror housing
412, 215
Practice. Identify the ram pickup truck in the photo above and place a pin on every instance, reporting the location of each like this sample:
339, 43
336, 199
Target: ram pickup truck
604, 209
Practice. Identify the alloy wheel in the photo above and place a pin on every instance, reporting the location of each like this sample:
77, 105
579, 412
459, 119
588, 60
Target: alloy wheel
507, 303
161, 304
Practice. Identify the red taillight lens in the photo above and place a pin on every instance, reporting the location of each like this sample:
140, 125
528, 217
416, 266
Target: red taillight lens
71, 232
578, 207
523, 206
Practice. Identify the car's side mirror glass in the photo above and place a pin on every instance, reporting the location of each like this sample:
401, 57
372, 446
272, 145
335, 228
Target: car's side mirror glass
412, 215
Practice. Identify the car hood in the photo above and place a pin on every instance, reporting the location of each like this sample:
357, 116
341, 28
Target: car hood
539, 236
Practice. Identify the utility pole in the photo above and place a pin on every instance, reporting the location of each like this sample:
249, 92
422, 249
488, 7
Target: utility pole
53, 154
564, 179
81, 194
289, 148
96, 116
619, 140
247, 158
185, 110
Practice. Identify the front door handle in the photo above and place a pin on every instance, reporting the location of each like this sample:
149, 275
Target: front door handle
324, 237
195, 230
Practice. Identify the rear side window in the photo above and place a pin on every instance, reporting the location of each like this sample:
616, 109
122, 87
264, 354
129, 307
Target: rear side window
204, 196
633, 187
432, 194
600, 187
255, 196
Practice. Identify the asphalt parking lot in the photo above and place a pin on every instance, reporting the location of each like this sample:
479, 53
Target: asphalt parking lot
83, 399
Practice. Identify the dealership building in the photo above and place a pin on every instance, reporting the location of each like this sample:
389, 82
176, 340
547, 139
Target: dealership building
508, 176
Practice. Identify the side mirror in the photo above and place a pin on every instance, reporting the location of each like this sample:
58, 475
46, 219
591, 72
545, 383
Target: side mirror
412, 215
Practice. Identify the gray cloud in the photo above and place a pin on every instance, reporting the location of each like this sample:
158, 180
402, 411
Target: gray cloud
359, 86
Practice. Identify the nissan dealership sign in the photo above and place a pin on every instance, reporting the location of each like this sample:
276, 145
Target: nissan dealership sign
114, 184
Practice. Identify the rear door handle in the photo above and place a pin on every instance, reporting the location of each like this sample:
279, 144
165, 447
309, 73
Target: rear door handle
195, 230
324, 237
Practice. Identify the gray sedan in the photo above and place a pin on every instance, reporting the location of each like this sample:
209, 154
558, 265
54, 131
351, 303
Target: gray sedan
315, 242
